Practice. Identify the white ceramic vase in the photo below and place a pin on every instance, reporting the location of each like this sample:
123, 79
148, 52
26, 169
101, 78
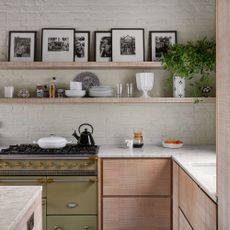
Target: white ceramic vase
178, 86
145, 82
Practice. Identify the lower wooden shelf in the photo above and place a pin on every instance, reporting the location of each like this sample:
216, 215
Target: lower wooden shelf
106, 100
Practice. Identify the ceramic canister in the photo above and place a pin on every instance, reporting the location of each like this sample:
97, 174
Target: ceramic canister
178, 86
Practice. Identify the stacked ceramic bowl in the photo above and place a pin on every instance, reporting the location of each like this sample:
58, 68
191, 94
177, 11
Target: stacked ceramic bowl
75, 90
101, 91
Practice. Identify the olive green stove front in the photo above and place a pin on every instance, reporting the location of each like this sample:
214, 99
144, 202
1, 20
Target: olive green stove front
71, 203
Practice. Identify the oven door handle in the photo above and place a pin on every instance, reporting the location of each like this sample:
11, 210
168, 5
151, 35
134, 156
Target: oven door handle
80, 180
39, 180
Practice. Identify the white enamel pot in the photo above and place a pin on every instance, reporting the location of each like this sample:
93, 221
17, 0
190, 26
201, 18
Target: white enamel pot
52, 142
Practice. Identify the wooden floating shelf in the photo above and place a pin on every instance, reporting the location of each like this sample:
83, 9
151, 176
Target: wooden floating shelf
106, 100
78, 65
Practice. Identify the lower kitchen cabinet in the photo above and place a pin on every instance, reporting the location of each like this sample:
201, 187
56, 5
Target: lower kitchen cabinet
134, 213
183, 223
72, 223
198, 208
135, 194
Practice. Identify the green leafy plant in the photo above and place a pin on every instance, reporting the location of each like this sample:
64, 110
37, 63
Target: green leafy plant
191, 60
204, 64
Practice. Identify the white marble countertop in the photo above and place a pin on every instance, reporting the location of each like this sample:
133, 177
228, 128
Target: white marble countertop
15, 202
188, 157
194, 159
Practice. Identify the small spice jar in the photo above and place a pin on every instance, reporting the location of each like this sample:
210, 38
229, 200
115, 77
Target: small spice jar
39, 91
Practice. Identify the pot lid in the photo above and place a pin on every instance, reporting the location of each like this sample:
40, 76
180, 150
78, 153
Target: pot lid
52, 139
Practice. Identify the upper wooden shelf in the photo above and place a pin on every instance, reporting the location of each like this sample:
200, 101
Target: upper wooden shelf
112, 100
78, 65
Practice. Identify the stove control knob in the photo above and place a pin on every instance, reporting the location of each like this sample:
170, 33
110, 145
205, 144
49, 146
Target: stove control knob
76, 165
4, 164
18, 164
41, 164
86, 227
29, 164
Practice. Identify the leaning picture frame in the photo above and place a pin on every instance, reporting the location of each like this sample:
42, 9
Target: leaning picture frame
22, 46
58, 44
128, 45
160, 42
82, 46
103, 46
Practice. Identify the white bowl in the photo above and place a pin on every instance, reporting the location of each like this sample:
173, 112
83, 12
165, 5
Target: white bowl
75, 85
172, 146
75, 93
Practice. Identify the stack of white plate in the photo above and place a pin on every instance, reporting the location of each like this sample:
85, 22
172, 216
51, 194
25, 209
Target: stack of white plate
101, 91
75, 93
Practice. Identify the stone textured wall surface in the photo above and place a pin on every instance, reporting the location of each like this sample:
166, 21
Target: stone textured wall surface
194, 124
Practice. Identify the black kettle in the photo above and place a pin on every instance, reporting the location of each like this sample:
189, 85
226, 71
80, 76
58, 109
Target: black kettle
85, 138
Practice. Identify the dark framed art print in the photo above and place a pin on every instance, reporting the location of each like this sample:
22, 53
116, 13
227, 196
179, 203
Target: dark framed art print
160, 42
82, 46
103, 46
128, 45
58, 44
22, 46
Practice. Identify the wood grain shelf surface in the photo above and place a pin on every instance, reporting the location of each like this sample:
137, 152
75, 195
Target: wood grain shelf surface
107, 100
78, 65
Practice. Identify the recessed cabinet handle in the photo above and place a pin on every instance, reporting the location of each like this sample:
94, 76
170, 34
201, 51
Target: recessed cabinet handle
71, 205
57, 228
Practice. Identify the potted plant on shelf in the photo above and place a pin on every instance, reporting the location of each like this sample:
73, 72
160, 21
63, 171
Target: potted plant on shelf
185, 61
204, 61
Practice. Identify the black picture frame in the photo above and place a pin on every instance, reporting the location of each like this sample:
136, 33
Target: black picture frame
88, 41
22, 32
129, 29
174, 32
57, 29
103, 59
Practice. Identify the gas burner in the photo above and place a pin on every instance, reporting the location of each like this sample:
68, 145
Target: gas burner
33, 149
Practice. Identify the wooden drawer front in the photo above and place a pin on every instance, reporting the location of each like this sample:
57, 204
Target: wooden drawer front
183, 223
198, 208
72, 222
137, 177
23, 181
136, 213
175, 209
72, 195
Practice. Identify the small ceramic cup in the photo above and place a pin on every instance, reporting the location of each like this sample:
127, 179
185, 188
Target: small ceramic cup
129, 143
8, 91
75, 85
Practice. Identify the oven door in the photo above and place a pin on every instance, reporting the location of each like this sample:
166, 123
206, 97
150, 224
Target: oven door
69, 195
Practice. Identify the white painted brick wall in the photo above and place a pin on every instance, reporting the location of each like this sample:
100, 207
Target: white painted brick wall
194, 19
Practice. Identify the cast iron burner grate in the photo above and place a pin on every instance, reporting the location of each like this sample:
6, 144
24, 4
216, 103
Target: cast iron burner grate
72, 149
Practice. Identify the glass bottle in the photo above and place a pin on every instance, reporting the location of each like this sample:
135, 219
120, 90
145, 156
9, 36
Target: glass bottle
138, 140
52, 88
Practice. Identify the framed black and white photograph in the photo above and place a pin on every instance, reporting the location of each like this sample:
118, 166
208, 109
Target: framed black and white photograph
128, 45
58, 44
103, 46
82, 46
160, 42
22, 45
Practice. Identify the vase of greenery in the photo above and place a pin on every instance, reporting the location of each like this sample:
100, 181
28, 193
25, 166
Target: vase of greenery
191, 60
177, 62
